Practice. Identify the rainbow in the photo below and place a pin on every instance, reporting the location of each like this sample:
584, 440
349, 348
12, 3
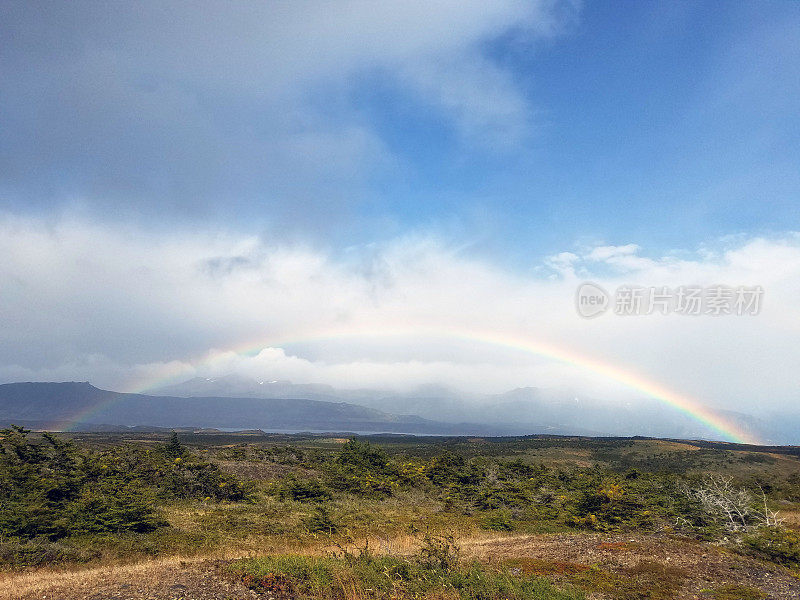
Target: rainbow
727, 428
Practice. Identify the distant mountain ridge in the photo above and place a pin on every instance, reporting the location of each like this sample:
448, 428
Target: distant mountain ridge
59, 403
235, 402
517, 410
54, 405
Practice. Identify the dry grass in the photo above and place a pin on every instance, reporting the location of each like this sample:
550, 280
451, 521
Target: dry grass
792, 518
561, 557
80, 582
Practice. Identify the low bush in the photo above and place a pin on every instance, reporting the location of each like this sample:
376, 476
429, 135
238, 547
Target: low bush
367, 576
364, 469
732, 591
320, 522
303, 490
40, 552
499, 520
50, 488
647, 579
776, 544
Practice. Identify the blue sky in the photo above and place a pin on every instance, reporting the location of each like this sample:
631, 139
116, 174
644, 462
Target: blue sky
662, 124
230, 172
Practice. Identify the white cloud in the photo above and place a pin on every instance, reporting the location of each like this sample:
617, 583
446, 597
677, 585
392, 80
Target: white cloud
480, 100
608, 253
120, 307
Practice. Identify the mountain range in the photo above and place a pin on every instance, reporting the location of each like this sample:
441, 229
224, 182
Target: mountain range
82, 406
236, 402
520, 410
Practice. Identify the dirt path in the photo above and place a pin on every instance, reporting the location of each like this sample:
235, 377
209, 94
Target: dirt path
699, 567
168, 579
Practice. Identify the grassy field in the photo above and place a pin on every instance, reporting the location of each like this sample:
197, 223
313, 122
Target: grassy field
211, 515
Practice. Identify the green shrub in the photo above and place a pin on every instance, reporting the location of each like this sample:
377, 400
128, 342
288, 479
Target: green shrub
51, 489
450, 469
192, 477
320, 521
115, 505
41, 552
498, 521
364, 469
174, 449
509, 494
733, 591
438, 552
304, 490
776, 544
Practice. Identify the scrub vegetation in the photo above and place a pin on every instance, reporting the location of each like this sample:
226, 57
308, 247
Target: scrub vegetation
403, 517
